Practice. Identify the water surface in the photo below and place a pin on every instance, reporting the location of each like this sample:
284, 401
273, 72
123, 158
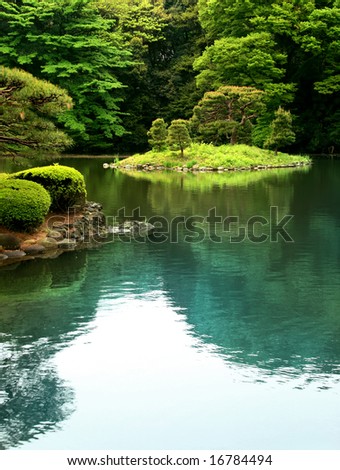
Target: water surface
177, 345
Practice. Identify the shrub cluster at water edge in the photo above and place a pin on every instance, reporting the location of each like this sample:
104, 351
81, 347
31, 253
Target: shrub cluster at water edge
65, 184
23, 205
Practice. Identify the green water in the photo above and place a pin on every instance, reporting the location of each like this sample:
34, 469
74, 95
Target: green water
181, 344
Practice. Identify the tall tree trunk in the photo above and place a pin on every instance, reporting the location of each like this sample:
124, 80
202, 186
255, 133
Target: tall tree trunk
233, 137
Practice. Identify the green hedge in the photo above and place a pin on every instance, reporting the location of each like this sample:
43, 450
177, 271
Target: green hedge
23, 205
65, 184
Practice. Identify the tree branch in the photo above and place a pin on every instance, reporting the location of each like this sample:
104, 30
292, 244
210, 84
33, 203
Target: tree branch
17, 140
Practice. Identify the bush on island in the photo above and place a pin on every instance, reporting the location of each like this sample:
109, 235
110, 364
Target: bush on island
66, 185
23, 205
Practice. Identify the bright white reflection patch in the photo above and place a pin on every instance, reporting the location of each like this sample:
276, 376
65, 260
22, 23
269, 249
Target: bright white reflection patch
143, 380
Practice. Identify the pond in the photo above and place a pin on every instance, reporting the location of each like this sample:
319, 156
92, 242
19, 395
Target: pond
207, 335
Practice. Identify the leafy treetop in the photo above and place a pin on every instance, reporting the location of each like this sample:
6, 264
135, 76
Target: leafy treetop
227, 111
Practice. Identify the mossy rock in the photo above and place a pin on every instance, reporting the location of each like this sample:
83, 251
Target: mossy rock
23, 205
9, 242
66, 185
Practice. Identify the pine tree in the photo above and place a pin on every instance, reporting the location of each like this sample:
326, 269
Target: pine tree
158, 134
227, 113
178, 135
281, 130
28, 107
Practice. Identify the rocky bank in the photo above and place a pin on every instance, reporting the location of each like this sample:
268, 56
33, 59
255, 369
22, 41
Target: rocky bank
80, 228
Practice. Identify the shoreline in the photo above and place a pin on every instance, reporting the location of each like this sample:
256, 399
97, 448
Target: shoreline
207, 157
198, 169
80, 228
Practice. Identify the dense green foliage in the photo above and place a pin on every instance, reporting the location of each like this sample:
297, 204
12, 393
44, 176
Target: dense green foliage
289, 49
158, 134
239, 156
226, 114
69, 43
164, 37
281, 132
127, 63
27, 109
65, 184
178, 135
23, 204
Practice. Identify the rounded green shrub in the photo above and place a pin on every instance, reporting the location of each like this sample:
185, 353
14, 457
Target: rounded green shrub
66, 185
23, 205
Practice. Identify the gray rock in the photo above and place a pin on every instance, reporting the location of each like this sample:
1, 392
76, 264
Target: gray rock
98, 219
94, 205
14, 253
56, 234
49, 243
67, 244
134, 227
34, 249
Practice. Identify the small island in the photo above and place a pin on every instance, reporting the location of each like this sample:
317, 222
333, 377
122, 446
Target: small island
207, 157
221, 136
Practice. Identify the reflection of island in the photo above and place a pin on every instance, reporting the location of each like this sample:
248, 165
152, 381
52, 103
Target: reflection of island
197, 193
38, 316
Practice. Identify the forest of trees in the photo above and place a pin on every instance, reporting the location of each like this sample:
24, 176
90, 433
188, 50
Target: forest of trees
119, 65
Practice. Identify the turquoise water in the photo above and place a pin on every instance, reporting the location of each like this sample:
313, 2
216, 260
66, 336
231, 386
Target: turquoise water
182, 345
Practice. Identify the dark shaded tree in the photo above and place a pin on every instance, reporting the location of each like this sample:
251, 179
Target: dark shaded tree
28, 109
281, 131
227, 114
164, 37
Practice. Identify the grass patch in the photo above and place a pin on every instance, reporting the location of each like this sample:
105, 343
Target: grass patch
228, 156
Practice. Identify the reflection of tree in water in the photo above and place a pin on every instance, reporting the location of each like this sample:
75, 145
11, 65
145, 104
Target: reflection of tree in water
40, 313
34, 399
